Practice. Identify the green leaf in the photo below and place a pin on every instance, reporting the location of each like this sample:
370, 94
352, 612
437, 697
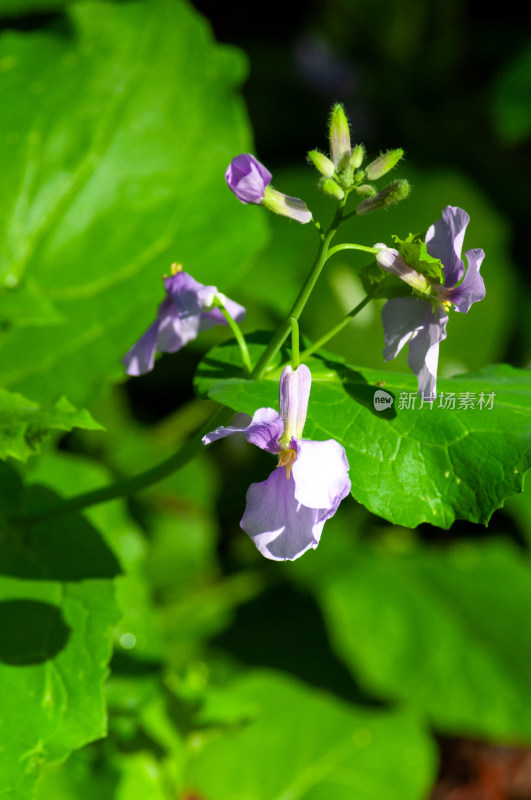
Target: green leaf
409, 465
51, 676
288, 741
414, 251
445, 631
24, 424
116, 141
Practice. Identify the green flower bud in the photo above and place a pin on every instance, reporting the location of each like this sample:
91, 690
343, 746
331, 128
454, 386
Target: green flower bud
394, 193
322, 163
383, 164
331, 188
365, 190
339, 135
356, 157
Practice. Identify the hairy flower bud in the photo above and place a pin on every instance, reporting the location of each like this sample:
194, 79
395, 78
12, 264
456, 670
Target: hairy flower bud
322, 163
382, 164
339, 136
366, 190
356, 157
394, 193
331, 188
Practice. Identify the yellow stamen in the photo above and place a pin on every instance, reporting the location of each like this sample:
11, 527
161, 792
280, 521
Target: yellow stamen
286, 459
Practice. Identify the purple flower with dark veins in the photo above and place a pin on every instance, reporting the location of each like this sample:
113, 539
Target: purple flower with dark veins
250, 181
186, 310
284, 515
421, 320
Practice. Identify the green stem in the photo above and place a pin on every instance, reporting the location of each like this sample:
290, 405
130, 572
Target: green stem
242, 344
335, 330
296, 310
295, 361
349, 246
129, 486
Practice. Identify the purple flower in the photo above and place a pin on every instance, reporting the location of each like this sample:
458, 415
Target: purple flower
421, 320
284, 515
249, 180
185, 311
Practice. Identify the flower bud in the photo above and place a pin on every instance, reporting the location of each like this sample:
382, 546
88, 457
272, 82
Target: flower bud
383, 164
331, 188
291, 207
339, 135
247, 178
322, 163
365, 190
394, 193
356, 157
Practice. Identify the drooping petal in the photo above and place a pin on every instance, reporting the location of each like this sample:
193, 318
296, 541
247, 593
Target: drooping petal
281, 528
444, 240
401, 317
141, 357
424, 351
320, 472
472, 289
247, 178
294, 393
264, 430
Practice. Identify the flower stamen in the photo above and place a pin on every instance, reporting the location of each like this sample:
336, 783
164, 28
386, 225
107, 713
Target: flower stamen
285, 459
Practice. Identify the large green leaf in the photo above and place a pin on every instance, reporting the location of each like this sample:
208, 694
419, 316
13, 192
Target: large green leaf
116, 138
24, 424
447, 631
57, 645
287, 741
57, 613
409, 465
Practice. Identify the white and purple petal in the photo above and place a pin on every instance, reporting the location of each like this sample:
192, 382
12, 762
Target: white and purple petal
444, 240
423, 354
264, 430
141, 357
401, 317
472, 288
281, 528
294, 393
320, 472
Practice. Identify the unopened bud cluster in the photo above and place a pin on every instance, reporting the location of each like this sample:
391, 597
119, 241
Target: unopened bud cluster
342, 172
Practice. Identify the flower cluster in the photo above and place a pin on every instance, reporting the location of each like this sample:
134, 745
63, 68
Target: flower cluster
284, 515
421, 319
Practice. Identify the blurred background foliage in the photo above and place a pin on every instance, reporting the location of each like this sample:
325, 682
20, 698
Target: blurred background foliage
389, 662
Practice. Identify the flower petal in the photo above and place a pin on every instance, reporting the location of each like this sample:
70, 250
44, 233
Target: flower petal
424, 351
320, 472
444, 240
294, 393
264, 430
281, 528
247, 178
141, 357
401, 317
472, 289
